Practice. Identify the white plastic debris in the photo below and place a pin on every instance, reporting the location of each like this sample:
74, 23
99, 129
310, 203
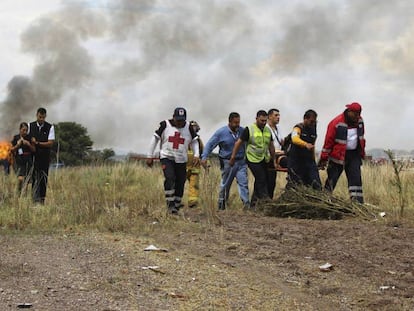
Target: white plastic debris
385, 287
153, 268
326, 267
155, 249
382, 214
150, 267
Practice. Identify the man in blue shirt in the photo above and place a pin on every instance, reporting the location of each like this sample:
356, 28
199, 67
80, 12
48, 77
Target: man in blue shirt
225, 137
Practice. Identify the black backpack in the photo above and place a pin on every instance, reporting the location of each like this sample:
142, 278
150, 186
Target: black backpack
287, 141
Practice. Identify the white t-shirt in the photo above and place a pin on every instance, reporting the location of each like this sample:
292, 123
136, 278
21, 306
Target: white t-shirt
277, 136
352, 139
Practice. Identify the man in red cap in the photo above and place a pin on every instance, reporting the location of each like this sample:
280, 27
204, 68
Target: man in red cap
344, 148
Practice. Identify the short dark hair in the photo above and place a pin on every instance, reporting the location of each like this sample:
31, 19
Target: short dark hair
233, 115
41, 110
261, 113
310, 113
23, 124
272, 110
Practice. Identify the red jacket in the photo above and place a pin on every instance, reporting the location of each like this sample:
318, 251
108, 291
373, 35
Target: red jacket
334, 147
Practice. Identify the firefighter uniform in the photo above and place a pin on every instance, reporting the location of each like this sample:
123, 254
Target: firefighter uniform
6, 158
193, 171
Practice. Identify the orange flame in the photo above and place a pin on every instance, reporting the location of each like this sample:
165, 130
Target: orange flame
5, 150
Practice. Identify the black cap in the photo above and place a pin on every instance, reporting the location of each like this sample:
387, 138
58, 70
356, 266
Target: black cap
180, 114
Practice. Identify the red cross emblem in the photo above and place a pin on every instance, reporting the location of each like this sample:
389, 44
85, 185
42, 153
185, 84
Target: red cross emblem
176, 140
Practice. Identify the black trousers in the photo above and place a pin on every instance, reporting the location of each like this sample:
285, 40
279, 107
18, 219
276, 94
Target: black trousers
352, 169
260, 173
39, 180
175, 175
271, 179
303, 171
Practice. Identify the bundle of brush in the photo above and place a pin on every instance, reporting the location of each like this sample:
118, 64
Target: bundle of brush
307, 203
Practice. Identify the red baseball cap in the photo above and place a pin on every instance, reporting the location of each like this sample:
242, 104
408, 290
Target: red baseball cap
354, 107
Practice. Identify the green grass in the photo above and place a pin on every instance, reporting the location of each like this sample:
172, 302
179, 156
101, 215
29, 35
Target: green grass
129, 198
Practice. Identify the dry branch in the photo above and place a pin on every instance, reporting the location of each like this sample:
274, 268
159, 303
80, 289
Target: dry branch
307, 203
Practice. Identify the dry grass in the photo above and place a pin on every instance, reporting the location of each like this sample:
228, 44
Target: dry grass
119, 197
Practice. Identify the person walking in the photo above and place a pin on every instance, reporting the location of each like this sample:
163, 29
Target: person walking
42, 136
23, 150
259, 151
193, 170
344, 149
225, 138
175, 135
273, 118
302, 168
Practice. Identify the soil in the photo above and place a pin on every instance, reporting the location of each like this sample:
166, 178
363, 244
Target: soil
229, 261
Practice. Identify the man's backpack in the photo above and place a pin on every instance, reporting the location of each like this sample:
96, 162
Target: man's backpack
287, 141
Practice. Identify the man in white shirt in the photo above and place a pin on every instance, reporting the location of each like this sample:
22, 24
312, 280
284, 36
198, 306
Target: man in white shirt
273, 124
43, 137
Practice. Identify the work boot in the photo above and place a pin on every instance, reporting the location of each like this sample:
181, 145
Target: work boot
221, 206
178, 206
172, 210
192, 204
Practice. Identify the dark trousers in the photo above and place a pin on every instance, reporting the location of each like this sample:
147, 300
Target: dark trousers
39, 181
260, 173
175, 175
303, 171
271, 178
352, 168
6, 166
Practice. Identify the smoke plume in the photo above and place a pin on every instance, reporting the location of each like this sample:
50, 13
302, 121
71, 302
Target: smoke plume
120, 67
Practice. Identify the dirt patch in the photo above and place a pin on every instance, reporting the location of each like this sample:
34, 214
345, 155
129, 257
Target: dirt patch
243, 262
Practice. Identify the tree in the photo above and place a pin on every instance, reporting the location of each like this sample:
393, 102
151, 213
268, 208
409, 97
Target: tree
72, 143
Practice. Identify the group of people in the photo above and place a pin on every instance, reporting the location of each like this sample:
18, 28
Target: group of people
262, 149
31, 150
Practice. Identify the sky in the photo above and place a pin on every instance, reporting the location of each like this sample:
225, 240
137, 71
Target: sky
119, 67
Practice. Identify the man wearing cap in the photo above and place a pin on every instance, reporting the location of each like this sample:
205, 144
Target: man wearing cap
344, 148
175, 135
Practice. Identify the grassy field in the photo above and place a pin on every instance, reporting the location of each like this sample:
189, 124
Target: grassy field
118, 197
84, 249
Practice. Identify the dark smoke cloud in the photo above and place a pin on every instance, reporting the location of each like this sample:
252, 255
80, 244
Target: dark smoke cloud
128, 63
62, 64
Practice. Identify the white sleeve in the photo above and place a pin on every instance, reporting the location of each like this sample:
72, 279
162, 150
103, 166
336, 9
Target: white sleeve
195, 147
153, 143
51, 133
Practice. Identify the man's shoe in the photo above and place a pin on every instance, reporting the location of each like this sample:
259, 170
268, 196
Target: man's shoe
173, 210
192, 205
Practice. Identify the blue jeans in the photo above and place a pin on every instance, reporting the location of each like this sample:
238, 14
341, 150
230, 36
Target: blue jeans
228, 173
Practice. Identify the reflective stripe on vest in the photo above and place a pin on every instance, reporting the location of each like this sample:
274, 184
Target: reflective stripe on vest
258, 144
